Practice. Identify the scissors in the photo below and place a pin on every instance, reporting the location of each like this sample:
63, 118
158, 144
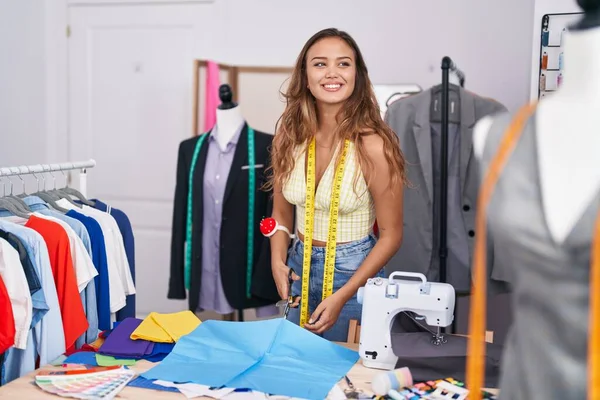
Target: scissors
290, 300
352, 392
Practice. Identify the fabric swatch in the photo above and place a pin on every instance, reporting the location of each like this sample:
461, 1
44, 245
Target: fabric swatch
108, 361
271, 356
119, 343
82, 357
166, 328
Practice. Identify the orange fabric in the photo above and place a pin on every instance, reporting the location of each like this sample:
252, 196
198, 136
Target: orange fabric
477, 314
7, 320
71, 309
594, 329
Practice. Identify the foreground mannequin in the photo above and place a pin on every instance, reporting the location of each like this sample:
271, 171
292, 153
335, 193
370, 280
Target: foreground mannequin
542, 214
331, 105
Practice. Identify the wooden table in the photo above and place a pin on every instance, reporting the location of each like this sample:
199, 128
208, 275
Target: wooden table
24, 388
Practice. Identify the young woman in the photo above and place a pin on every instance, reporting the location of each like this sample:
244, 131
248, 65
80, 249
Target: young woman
332, 142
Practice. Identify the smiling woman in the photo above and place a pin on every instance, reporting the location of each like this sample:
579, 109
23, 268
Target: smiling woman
340, 165
331, 86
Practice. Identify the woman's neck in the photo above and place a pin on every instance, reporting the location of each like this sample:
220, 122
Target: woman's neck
582, 63
327, 123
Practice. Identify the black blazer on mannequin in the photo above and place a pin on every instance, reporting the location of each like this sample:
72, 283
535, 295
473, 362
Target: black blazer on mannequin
233, 226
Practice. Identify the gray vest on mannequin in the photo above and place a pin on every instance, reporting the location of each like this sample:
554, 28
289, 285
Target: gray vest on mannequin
546, 350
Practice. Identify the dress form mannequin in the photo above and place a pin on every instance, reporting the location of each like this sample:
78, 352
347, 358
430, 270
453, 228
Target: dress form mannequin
229, 117
541, 200
568, 122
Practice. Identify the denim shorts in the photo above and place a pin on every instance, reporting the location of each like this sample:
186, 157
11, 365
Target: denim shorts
348, 258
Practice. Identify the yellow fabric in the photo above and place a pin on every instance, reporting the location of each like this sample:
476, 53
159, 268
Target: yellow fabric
97, 343
356, 210
166, 328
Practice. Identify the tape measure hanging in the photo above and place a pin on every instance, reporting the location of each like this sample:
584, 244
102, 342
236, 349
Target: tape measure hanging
251, 207
188, 222
309, 215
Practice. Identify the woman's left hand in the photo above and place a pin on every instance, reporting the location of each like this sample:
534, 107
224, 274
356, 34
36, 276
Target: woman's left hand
326, 313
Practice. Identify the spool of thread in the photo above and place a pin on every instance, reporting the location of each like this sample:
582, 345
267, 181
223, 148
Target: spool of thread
392, 380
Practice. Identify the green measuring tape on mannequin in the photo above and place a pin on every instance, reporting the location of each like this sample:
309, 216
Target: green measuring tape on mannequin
251, 193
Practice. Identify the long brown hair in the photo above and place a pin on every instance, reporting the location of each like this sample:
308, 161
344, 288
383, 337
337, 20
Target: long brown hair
359, 116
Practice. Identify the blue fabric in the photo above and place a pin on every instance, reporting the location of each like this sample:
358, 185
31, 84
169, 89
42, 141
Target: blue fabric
144, 383
100, 261
159, 350
33, 280
82, 357
88, 295
348, 258
272, 356
46, 339
128, 241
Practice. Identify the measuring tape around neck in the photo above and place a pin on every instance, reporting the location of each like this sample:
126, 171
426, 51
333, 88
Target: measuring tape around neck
251, 207
309, 216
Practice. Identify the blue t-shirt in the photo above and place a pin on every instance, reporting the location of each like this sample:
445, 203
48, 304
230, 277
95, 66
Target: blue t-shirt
100, 261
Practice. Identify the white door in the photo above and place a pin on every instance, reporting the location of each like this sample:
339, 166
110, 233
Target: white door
130, 104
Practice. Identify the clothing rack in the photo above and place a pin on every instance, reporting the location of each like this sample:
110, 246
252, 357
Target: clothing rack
82, 166
447, 66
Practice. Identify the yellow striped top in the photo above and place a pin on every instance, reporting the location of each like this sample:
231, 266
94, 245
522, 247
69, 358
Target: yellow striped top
356, 211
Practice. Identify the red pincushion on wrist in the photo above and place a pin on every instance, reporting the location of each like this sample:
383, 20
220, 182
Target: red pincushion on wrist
267, 226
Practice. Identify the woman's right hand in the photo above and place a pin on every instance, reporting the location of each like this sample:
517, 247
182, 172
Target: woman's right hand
280, 275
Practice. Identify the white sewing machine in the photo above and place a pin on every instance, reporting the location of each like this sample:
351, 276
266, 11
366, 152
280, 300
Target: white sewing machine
383, 298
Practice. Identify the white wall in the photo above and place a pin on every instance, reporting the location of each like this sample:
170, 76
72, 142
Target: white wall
22, 82
541, 8
402, 40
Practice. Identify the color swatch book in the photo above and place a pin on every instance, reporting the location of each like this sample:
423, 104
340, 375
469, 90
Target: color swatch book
440, 389
85, 384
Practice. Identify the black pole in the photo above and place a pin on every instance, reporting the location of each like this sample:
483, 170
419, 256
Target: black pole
443, 251
443, 204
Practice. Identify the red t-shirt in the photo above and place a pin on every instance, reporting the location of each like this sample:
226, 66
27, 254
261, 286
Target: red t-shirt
71, 309
7, 320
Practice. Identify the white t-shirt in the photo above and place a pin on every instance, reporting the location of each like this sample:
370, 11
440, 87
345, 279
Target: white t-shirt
119, 275
13, 276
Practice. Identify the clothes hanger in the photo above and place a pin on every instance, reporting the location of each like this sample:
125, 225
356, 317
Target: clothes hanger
48, 198
74, 192
58, 194
10, 206
17, 201
66, 193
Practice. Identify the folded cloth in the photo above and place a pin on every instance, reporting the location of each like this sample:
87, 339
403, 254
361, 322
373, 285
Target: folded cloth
160, 351
166, 328
120, 344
